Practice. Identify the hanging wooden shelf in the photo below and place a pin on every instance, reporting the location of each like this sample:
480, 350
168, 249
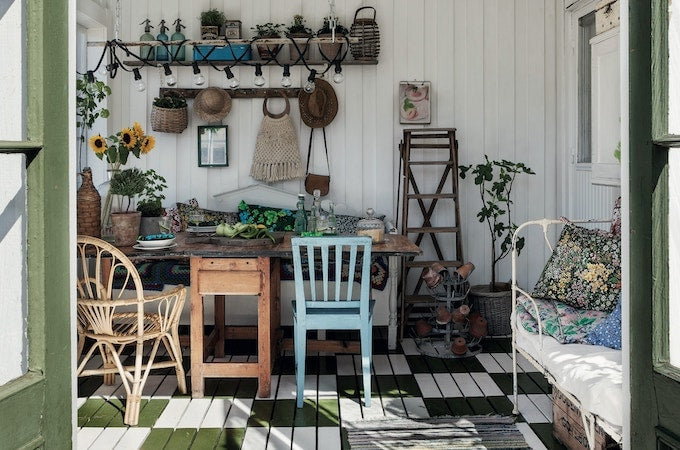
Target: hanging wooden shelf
250, 62
236, 93
222, 42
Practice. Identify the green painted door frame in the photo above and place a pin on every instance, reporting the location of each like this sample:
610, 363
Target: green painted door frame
655, 390
35, 409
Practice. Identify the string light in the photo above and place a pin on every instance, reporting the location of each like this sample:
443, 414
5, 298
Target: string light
233, 81
286, 81
138, 83
310, 85
338, 77
170, 78
199, 79
259, 78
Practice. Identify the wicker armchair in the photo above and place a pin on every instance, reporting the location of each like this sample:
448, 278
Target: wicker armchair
115, 319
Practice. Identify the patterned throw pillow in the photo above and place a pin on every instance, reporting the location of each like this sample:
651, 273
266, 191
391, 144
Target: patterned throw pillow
184, 210
584, 270
616, 217
608, 333
276, 219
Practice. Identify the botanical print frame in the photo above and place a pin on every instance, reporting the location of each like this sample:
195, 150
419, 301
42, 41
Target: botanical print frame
414, 102
212, 146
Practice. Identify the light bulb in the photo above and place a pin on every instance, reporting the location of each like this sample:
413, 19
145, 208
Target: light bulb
259, 79
309, 87
137, 82
286, 82
199, 79
234, 83
170, 78
338, 77
102, 73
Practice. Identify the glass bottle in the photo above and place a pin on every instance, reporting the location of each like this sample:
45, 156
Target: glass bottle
177, 36
300, 216
147, 52
312, 222
332, 221
161, 50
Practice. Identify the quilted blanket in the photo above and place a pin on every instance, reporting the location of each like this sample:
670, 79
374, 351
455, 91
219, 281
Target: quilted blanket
567, 324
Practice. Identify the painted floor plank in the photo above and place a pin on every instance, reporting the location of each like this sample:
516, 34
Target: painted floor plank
543, 403
532, 440
180, 439
505, 361
529, 411
409, 347
287, 388
255, 437
393, 406
486, 384
217, 413
345, 364
108, 438
172, 413
427, 384
133, 438
86, 436
194, 413
467, 385
399, 364
329, 438
415, 408
489, 363
239, 413
350, 409
447, 386
280, 438
328, 386
381, 365
304, 438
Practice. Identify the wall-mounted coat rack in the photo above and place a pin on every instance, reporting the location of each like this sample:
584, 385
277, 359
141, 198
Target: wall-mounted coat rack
237, 93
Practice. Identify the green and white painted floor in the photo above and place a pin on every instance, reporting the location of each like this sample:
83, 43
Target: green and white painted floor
404, 384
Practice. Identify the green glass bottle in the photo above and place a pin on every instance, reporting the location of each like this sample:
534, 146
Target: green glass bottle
161, 51
177, 36
147, 52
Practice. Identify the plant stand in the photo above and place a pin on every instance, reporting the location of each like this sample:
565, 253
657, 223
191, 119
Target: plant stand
452, 294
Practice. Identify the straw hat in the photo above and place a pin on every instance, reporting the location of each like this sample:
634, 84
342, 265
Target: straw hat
319, 108
212, 104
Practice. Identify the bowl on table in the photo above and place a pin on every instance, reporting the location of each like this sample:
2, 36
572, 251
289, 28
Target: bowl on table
156, 240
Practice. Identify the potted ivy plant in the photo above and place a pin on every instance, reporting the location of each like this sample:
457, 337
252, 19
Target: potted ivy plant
212, 22
268, 31
298, 30
331, 50
495, 180
150, 202
127, 183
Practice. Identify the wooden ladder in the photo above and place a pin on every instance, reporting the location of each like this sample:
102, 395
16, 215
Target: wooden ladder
418, 143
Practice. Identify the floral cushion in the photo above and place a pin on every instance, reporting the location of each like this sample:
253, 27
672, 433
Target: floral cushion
584, 270
616, 217
608, 333
276, 219
180, 215
568, 325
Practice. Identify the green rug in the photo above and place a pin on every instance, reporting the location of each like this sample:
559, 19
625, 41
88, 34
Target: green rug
468, 432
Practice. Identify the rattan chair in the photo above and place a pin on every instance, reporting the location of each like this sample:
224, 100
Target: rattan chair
115, 319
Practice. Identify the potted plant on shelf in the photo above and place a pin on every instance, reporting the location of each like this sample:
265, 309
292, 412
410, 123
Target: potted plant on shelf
150, 202
298, 30
268, 31
127, 183
495, 180
331, 50
169, 113
212, 22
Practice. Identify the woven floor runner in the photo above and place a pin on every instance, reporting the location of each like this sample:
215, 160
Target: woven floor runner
468, 432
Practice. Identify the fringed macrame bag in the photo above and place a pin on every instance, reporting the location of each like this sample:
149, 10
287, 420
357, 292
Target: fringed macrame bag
277, 154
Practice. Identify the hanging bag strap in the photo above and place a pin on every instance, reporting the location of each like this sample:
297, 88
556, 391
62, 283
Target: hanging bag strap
309, 150
285, 112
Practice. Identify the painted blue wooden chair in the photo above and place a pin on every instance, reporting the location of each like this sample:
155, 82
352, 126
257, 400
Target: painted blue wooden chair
332, 309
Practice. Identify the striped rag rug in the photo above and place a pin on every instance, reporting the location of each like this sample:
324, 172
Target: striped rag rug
468, 432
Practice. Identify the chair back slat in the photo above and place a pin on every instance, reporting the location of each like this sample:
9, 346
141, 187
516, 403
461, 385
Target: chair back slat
304, 258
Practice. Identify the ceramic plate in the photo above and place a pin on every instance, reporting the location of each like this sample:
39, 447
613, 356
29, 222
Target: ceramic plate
205, 229
142, 247
156, 243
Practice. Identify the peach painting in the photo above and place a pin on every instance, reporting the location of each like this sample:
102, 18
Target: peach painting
414, 102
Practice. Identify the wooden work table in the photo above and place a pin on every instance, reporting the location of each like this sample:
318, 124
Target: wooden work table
223, 270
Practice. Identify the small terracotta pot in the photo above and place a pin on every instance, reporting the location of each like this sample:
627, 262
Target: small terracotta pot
479, 327
459, 346
443, 316
126, 227
423, 328
460, 313
465, 270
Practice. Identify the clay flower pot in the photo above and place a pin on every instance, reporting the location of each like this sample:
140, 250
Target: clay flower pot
460, 313
126, 227
459, 346
465, 270
479, 327
443, 316
423, 328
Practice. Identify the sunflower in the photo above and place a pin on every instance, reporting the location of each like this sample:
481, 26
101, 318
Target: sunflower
128, 138
148, 144
137, 128
98, 144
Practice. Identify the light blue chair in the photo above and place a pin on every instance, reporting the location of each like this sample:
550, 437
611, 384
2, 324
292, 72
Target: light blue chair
333, 310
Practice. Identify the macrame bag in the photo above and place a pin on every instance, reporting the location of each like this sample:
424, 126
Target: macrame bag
277, 154
314, 181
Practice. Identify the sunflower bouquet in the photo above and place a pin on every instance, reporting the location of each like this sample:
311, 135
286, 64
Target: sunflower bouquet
117, 147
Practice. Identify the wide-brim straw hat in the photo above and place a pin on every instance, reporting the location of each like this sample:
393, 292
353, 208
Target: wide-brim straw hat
212, 104
319, 108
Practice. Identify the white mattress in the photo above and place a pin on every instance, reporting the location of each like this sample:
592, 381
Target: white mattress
591, 373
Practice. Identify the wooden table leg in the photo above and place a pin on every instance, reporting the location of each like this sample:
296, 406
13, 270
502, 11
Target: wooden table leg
264, 331
393, 263
275, 296
219, 325
196, 331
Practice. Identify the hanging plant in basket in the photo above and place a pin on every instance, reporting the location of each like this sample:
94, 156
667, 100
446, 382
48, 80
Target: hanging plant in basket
169, 113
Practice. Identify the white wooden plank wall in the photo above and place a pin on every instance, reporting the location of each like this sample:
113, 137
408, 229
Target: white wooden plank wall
492, 65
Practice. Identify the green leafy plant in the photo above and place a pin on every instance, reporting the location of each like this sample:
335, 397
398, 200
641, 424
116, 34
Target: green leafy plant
495, 180
150, 201
268, 29
170, 100
212, 17
128, 183
298, 26
88, 109
326, 28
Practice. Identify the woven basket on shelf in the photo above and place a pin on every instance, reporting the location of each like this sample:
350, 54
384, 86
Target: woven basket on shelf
169, 120
494, 306
366, 29
88, 207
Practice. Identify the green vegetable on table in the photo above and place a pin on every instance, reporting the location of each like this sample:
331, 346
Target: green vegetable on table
244, 230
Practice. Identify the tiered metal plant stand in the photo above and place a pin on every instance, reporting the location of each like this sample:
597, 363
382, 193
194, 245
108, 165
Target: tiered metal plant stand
451, 293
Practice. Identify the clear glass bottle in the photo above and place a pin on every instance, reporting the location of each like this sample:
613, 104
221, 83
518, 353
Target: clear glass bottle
300, 216
312, 222
332, 221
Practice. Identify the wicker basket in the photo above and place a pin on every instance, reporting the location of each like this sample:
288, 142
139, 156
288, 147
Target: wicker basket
366, 29
495, 307
88, 207
169, 120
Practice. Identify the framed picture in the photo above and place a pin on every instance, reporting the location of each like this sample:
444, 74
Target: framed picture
212, 146
414, 102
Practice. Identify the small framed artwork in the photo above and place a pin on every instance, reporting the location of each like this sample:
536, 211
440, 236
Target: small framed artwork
212, 146
414, 102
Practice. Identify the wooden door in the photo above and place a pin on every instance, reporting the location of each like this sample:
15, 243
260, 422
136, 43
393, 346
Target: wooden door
35, 399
